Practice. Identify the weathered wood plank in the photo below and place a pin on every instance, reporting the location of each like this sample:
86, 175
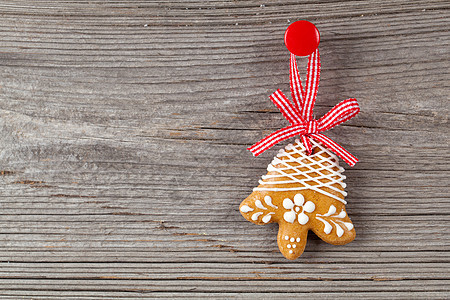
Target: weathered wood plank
124, 124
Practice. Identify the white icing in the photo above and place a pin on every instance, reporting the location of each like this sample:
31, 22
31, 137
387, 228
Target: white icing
299, 199
292, 242
267, 217
259, 205
327, 229
348, 225
271, 168
309, 207
332, 214
302, 218
290, 251
268, 201
331, 211
289, 216
305, 161
339, 230
256, 215
287, 203
246, 208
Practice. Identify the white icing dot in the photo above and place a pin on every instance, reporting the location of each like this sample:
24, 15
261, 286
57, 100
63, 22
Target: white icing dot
297, 208
290, 251
299, 199
309, 207
298, 240
292, 239
294, 246
288, 245
246, 208
302, 218
287, 203
289, 216
286, 237
342, 214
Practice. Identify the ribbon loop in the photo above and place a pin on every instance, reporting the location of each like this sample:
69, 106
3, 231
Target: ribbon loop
285, 106
312, 85
300, 113
342, 112
297, 92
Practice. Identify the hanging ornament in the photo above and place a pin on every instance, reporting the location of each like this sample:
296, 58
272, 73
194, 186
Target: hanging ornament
304, 187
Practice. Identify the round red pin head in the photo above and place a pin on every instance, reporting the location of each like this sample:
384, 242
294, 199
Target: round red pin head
302, 38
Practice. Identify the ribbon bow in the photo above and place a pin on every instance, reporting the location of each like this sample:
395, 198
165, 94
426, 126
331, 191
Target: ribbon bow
300, 113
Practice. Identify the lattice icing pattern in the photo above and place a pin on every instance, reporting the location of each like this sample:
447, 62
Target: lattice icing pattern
319, 171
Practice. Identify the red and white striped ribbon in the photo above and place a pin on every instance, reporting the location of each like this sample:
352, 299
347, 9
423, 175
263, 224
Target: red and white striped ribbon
300, 113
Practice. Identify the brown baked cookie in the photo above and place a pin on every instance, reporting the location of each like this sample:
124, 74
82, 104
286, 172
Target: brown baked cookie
302, 192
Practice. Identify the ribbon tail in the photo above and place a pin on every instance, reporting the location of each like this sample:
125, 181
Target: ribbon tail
349, 158
296, 84
276, 137
307, 143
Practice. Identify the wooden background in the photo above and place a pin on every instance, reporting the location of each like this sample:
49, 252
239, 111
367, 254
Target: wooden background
123, 135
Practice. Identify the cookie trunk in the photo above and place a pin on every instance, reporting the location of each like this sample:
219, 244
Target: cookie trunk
291, 240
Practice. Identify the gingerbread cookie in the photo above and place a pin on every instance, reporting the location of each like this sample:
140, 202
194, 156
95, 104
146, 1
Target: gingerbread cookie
302, 192
304, 187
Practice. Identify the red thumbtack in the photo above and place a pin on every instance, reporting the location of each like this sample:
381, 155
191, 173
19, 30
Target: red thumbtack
302, 38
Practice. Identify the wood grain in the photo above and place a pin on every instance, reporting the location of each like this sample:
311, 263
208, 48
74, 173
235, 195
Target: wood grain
123, 129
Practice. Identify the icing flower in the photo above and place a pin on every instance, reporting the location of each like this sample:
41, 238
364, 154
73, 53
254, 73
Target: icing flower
297, 207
